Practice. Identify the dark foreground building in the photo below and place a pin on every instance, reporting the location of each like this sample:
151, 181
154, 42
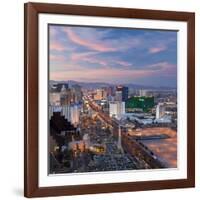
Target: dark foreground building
61, 133
124, 91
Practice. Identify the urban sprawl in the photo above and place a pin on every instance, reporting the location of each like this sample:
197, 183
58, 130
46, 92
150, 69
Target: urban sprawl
96, 127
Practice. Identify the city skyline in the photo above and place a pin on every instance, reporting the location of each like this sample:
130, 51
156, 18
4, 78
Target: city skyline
138, 86
110, 55
111, 128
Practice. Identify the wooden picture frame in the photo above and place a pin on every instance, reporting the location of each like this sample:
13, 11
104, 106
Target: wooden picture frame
31, 104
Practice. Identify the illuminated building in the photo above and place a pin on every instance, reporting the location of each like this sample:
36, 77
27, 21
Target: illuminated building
80, 145
143, 93
55, 92
98, 149
54, 98
76, 94
160, 110
74, 114
66, 112
100, 94
116, 109
65, 96
143, 103
77, 146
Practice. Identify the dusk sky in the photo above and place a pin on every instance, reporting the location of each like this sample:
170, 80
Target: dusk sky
113, 55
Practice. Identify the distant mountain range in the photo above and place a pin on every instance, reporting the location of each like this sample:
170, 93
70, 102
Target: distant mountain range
95, 85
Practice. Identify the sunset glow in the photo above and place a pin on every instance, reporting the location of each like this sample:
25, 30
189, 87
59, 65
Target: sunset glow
113, 55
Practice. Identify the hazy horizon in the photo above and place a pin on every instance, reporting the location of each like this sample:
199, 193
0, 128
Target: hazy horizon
119, 83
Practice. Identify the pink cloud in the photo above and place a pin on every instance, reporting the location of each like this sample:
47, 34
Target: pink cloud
52, 32
123, 63
56, 58
80, 56
91, 44
169, 69
88, 57
57, 46
157, 49
163, 68
109, 74
100, 74
95, 60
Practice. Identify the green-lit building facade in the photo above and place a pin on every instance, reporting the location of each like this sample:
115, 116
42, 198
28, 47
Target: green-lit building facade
139, 102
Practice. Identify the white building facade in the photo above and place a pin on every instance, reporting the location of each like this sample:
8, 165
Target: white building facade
116, 109
160, 110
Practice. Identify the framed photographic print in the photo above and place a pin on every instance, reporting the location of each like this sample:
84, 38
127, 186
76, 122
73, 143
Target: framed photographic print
109, 99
